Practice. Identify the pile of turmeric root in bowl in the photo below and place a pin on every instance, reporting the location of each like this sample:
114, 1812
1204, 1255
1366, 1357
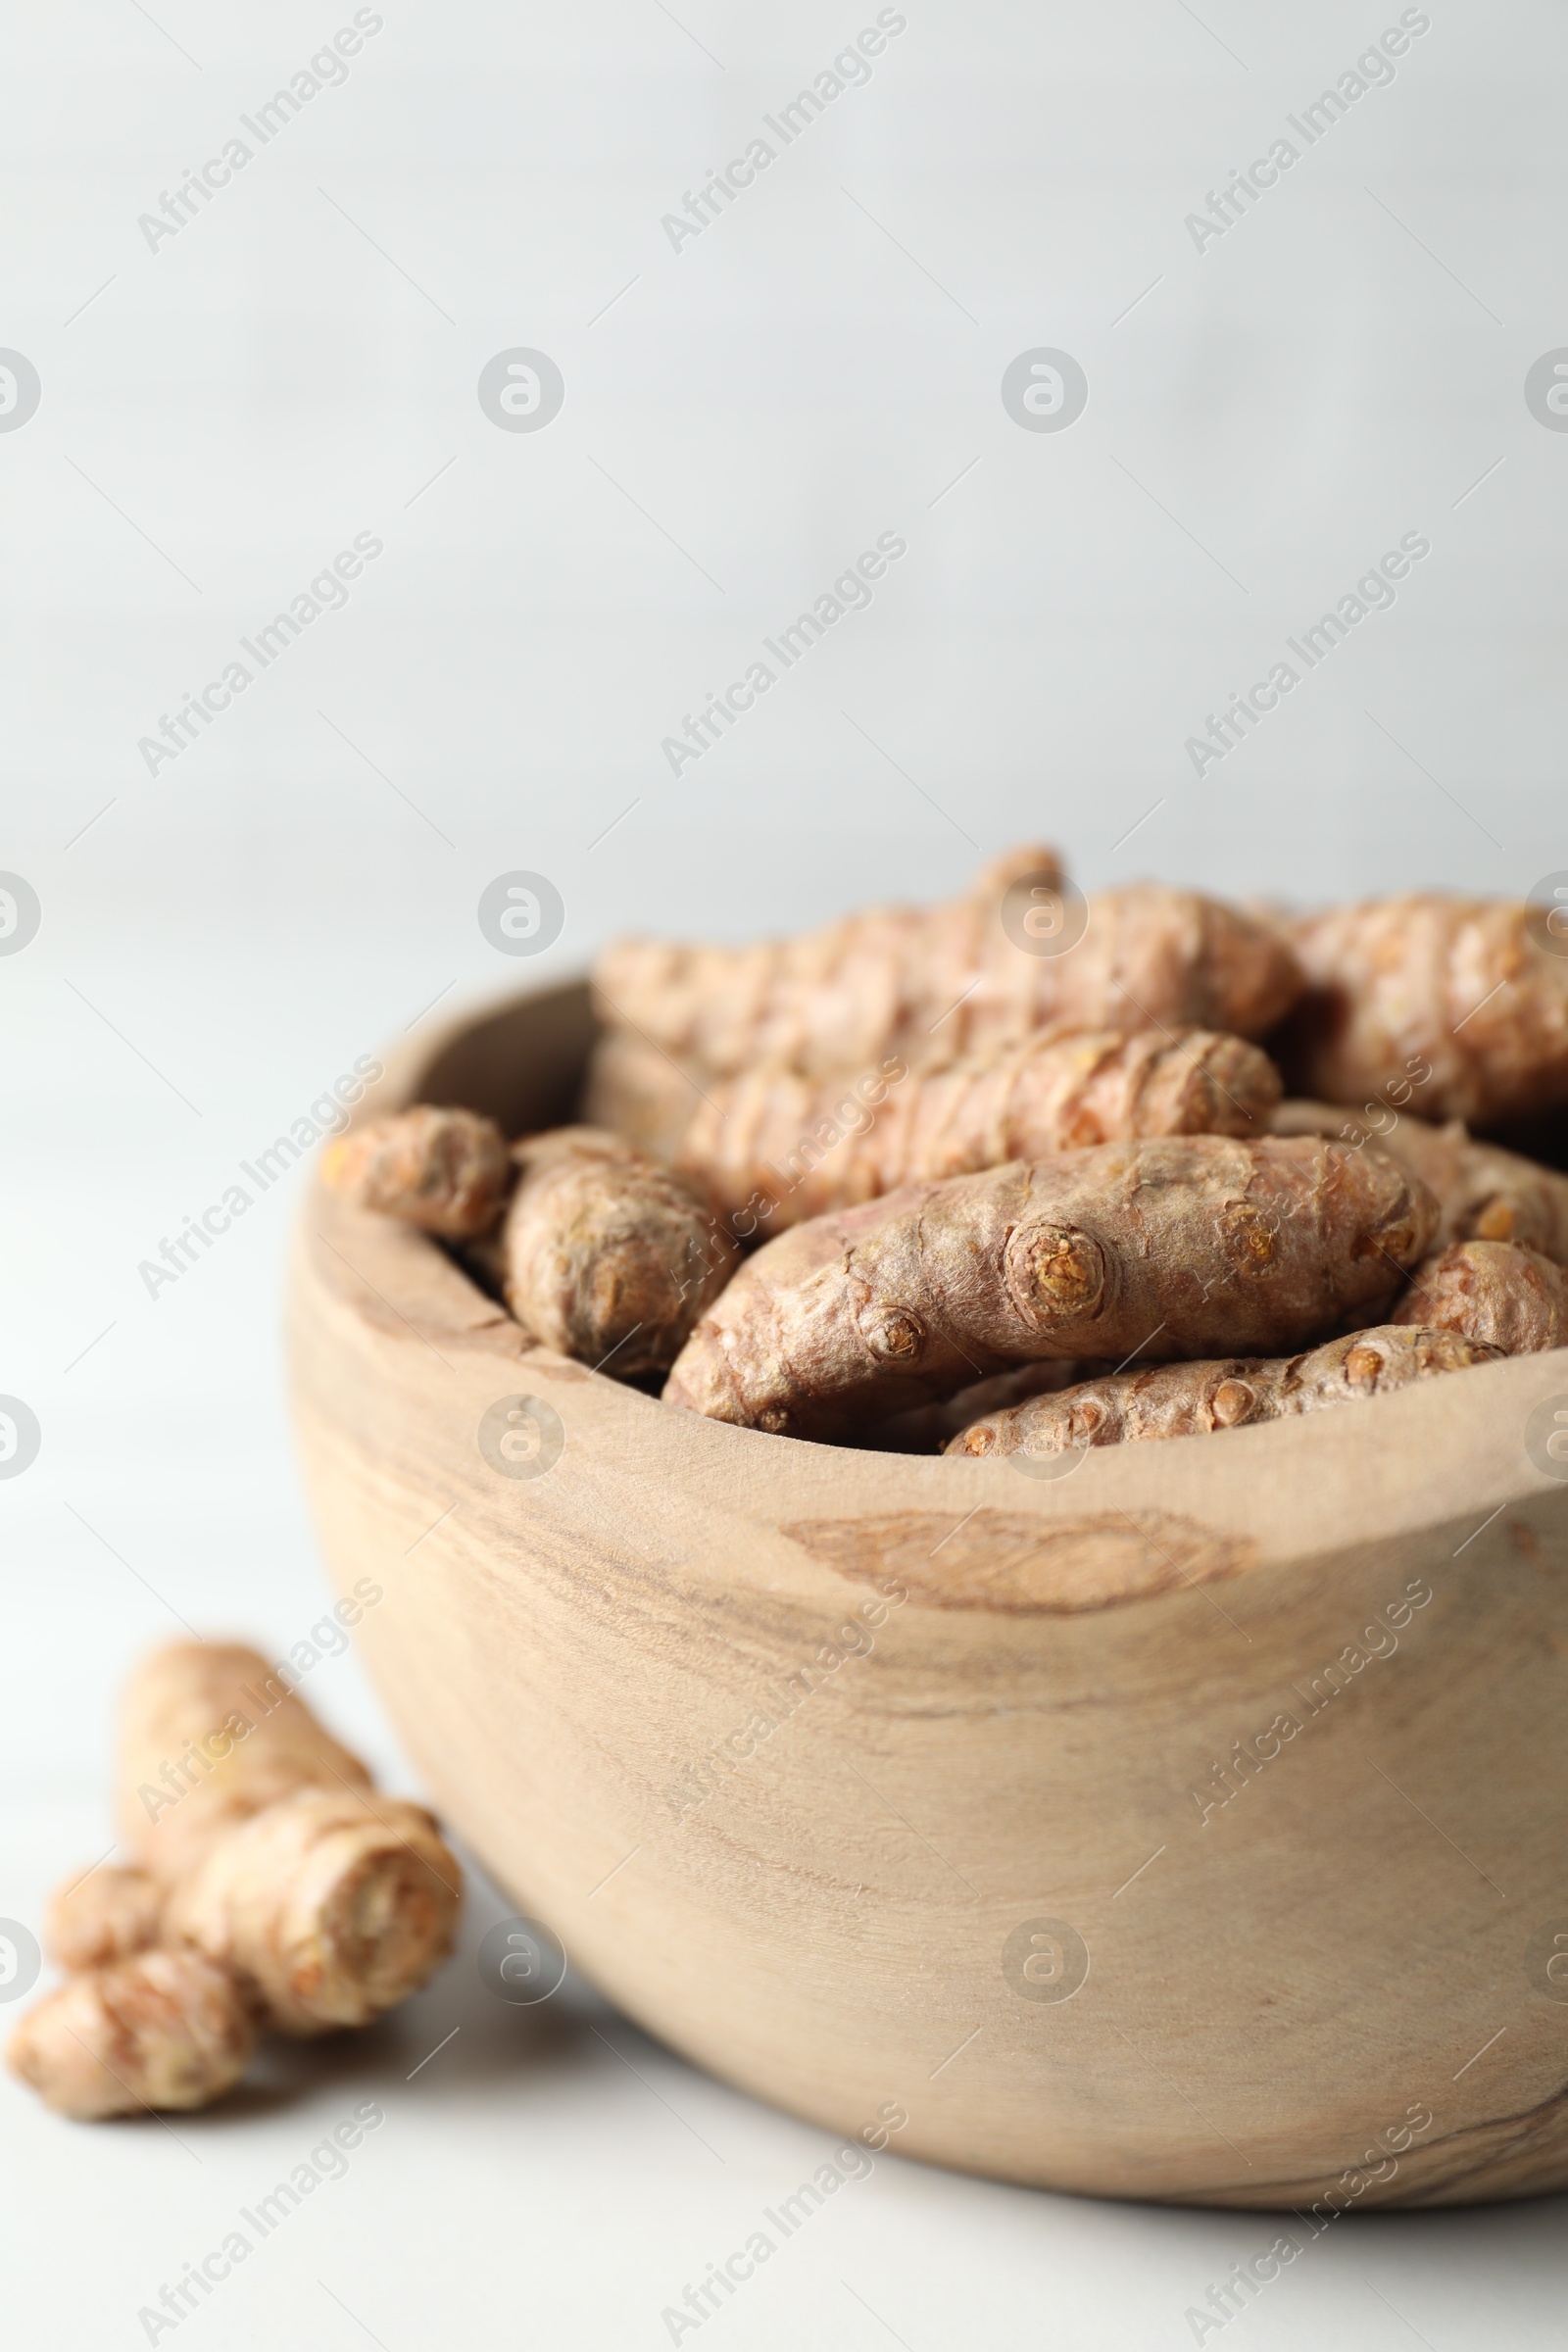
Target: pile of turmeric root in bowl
1018, 1173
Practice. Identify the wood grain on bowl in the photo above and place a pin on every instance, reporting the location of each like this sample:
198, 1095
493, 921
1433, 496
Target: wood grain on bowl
1191, 1827
1007, 1560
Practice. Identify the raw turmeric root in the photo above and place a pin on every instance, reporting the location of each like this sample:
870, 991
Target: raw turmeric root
274, 1885
1181, 1400
1176, 1247
775, 1147
606, 1253
328, 1902
329, 1907
446, 1171
1461, 983
927, 984
209, 1736
1513, 1298
108, 1915
165, 2028
1485, 1192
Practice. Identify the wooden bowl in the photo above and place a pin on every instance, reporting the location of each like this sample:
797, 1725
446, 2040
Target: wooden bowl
1192, 1827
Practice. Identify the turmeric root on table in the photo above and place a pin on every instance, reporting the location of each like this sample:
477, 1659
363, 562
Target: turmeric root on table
274, 1886
328, 1906
1485, 1192
1180, 1401
446, 1171
1494, 1291
606, 1253
1173, 1247
277, 1854
209, 1735
165, 2028
1463, 984
775, 1147
103, 1915
930, 983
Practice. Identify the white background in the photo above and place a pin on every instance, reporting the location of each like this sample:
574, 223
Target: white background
218, 941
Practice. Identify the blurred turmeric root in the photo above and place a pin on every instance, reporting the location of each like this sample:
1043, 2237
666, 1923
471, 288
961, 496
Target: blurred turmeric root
1476, 988
1019, 952
272, 1885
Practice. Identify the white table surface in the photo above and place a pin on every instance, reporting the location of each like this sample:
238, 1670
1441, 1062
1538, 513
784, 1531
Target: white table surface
222, 412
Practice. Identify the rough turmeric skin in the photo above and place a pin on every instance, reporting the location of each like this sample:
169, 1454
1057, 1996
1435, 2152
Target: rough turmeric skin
103, 1915
274, 1850
165, 2028
1485, 1192
446, 1171
608, 1255
1173, 1247
1513, 1298
329, 1907
1181, 1400
775, 1147
1462, 983
931, 983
